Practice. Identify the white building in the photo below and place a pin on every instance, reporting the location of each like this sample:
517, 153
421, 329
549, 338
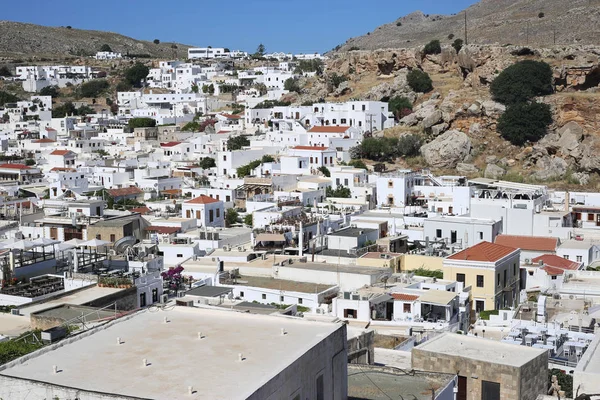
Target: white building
208, 211
107, 55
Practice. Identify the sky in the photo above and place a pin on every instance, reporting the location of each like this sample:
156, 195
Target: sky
281, 25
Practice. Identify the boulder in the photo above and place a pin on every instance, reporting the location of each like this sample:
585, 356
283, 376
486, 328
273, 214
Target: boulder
475, 128
492, 171
474, 109
343, 89
492, 108
550, 168
466, 169
447, 150
491, 159
432, 119
410, 120
582, 178
437, 130
569, 139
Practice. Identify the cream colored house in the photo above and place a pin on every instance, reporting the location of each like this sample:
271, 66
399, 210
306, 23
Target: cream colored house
492, 272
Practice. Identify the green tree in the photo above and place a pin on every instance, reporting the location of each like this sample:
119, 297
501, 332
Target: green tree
458, 44
400, 106
409, 146
6, 97
156, 41
260, 50
525, 122
30, 162
141, 122
522, 82
433, 47
267, 159
325, 171
135, 74
123, 86
419, 81
4, 71
292, 85
106, 47
248, 220
246, 170
358, 164
341, 192
237, 142
207, 162
93, 88
231, 217
50, 91
193, 126
336, 80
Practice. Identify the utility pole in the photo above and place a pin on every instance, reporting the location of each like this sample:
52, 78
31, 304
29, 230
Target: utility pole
466, 35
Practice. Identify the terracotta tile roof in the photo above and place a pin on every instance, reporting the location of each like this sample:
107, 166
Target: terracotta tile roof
329, 129
48, 129
173, 192
61, 169
404, 297
60, 152
314, 148
129, 191
536, 243
169, 144
163, 230
44, 140
553, 271
231, 116
14, 166
202, 199
484, 252
142, 210
555, 261
220, 132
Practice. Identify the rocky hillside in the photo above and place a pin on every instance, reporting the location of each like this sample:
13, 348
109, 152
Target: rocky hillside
518, 22
20, 39
458, 120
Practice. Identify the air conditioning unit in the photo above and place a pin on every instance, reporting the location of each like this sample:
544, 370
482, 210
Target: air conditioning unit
180, 294
15, 311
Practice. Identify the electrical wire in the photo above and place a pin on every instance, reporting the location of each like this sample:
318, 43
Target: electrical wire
374, 384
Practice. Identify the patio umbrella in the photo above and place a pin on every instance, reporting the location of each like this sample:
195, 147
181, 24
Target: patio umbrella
76, 242
23, 245
43, 242
95, 243
64, 246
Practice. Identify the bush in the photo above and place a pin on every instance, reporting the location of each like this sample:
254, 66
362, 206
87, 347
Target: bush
438, 274
451, 36
522, 82
237, 142
106, 47
419, 81
433, 47
358, 164
49, 91
123, 86
207, 162
400, 106
341, 192
267, 159
156, 41
525, 122
231, 217
4, 71
272, 103
565, 381
541, 15
398, 23
485, 314
457, 44
93, 88
336, 80
6, 97
323, 169
310, 66
135, 74
292, 85
248, 220
354, 48
409, 146
141, 123
13, 349
29, 162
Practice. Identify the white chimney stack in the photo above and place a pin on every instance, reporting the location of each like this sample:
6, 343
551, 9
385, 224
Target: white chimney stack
55, 369
200, 335
144, 362
283, 332
118, 340
190, 389
240, 357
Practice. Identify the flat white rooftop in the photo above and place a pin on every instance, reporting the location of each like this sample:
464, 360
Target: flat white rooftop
177, 358
476, 348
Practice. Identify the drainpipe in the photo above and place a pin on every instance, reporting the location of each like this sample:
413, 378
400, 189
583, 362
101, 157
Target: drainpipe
301, 240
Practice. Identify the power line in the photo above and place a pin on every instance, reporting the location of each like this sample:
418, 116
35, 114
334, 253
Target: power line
374, 384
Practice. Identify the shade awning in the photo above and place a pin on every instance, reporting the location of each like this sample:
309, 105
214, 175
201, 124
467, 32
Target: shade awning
270, 237
437, 297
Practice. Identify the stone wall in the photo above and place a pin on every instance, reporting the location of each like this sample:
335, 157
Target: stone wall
126, 300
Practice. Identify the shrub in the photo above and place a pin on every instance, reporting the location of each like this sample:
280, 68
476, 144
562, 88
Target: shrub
522, 82
246, 170
237, 142
68, 109
207, 162
438, 274
565, 381
341, 192
292, 85
4, 71
311, 66
323, 169
485, 314
106, 47
156, 41
451, 36
93, 88
267, 159
69, 27
458, 44
358, 164
409, 146
49, 91
141, 123
433, 47
336, 80
400, 106
419, 81
248, 220
30, 162
135, 74
525, 122
398, 23
354, 48
541, 15
272, 103
6, 97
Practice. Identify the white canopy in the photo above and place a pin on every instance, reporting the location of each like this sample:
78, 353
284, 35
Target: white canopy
22, 245
95, 243
43, 242
64, 246
76, 242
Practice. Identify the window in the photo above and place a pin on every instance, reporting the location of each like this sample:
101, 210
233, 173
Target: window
438, 233
480, 235
479, 280
211, 215
218, 213
154, 295
320, 388
241, 294
590, 217
300, 301
227, 198
566, 257
390, 184
504, 282
490, 390
264, 296
349, 313
530, 273
515, 269
345, 182
479, 305
281, 299
407, 308
179, 255
579, 258
99, 236
553, 277
224, 158
112, 237
460, 278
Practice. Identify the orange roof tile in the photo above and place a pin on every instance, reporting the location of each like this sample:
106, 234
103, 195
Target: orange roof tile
169, 144
128, 191
202, 199
61, 169
484, 252
404, 297
163, 230
231, 116
314, 148
555, 261
329, 129
553, 271
142, 210
14, 166
60, 152
44, 140
536, 243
